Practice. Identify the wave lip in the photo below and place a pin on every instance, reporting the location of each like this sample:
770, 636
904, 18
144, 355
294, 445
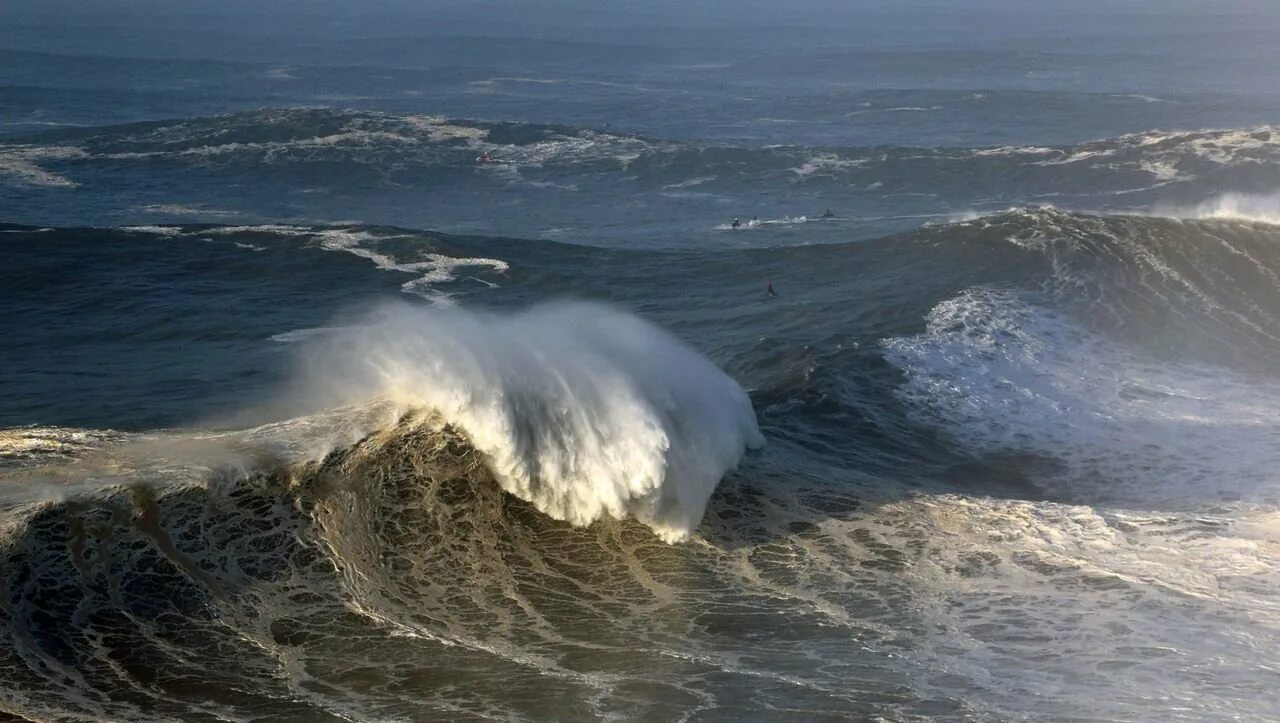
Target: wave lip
583, 410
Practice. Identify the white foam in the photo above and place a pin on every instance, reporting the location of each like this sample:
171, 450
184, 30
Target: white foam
1227, 147
350, 242
272, 150
756, 223
1166, 156
1163, 169
583, 410
296, 335
157, 230
440, 130
551, 184
826, 164
1016, 151
39, 442
491, 82
585, 147
690, 182
1006, 376
1141, 97
1220, 147
279, 229
434, 268
1139, 607
175, 209
962, 216
19, 163
1077, 157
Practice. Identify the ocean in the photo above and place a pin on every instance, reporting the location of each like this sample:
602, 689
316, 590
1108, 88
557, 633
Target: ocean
418, 364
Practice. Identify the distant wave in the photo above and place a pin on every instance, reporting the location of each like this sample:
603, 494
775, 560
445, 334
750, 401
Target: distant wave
426, 150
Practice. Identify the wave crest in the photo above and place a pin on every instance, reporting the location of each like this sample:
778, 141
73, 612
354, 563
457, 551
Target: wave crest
583, 410
1255, 207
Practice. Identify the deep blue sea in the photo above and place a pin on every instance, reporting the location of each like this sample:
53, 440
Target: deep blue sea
614, 361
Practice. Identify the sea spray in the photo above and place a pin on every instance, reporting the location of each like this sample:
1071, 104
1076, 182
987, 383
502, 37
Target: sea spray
584, 410
1256, 207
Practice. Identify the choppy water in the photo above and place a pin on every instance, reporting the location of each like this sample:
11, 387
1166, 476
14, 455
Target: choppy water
373, 412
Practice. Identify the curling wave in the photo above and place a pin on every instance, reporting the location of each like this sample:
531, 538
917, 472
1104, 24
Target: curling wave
583, 410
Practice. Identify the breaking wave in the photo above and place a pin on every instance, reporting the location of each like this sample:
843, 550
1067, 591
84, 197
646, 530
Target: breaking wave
584, 411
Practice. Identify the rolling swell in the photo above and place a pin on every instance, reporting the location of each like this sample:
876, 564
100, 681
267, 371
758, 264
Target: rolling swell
299, 136
394, 165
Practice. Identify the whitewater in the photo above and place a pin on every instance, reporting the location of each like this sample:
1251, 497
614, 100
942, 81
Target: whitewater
583, 411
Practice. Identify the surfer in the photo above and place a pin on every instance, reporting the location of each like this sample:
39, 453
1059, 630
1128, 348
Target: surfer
769, 289
736, 223
828, 214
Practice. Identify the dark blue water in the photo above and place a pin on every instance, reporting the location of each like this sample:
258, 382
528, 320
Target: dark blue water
405, 365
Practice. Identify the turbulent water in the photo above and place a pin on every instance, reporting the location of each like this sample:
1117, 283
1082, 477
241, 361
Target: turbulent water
1002, 447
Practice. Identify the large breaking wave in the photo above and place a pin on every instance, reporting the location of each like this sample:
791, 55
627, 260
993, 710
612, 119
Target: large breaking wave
583, 410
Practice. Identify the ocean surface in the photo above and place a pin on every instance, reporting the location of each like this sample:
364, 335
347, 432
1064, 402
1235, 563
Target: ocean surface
363, 373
